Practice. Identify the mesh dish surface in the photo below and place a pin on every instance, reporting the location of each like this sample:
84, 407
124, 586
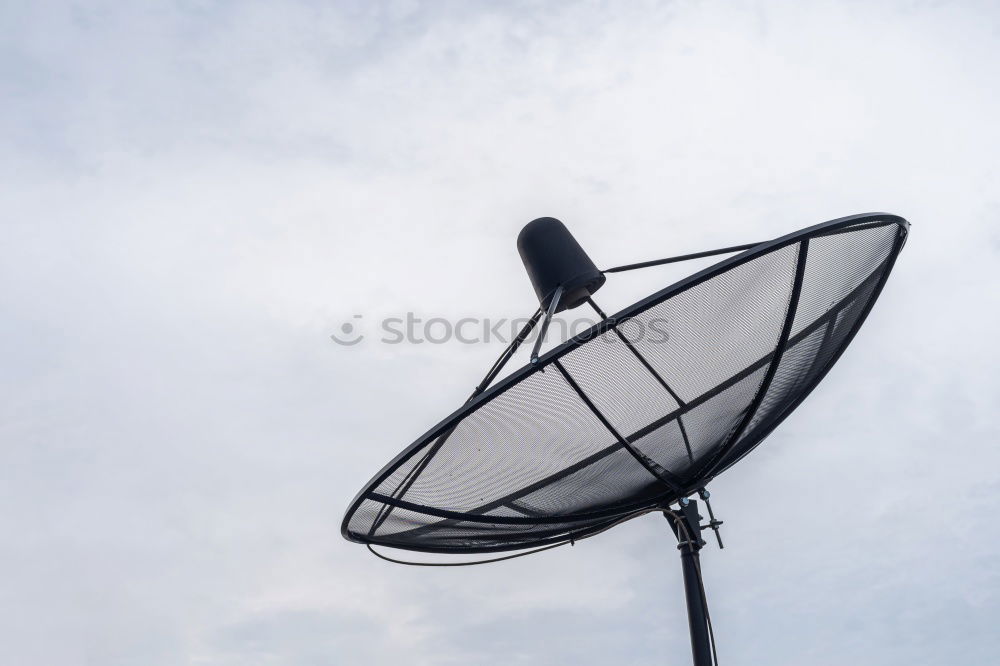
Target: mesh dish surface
619, 420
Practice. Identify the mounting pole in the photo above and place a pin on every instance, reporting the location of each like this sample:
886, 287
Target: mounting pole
686, 527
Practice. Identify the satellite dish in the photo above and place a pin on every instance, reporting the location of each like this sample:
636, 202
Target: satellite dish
638, 413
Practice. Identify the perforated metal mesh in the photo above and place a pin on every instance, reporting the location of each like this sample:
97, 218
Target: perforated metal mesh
640, 410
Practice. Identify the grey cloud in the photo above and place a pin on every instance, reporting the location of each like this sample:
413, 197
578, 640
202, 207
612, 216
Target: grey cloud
196, 194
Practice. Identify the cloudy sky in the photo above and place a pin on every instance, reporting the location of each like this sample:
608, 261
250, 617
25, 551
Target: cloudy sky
196, 195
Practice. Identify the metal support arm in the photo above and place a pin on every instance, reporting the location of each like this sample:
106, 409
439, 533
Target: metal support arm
553, 306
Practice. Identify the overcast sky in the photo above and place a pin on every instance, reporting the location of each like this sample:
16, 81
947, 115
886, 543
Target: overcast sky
196, 195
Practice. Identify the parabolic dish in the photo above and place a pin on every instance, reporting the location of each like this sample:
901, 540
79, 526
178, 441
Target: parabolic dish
617, 421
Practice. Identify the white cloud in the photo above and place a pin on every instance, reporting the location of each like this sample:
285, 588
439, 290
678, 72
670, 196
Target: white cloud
196, 195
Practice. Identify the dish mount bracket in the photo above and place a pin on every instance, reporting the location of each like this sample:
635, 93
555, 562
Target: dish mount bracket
687, 527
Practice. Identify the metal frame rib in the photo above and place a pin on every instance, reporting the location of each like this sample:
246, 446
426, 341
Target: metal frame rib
642, 359
651, 466
882, 275
772, 369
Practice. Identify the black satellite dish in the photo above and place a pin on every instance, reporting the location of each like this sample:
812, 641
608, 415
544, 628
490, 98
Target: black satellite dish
617, 423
